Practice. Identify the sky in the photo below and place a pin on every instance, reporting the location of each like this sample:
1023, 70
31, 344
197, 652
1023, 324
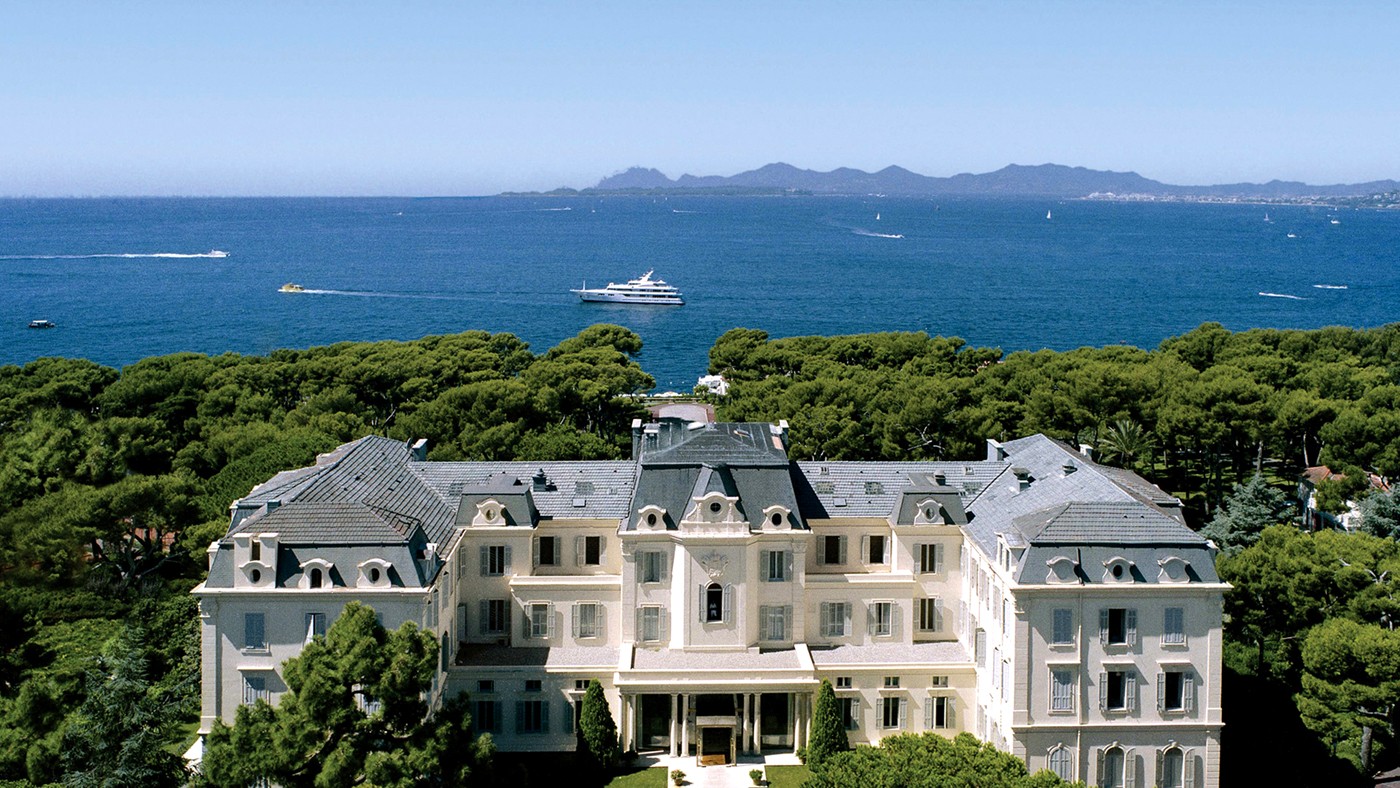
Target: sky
436, 98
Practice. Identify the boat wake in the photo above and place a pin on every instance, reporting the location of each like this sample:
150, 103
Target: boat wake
1330, 287
376, 294
869, 234
213, 253
544, 210
1283, 295
678, 210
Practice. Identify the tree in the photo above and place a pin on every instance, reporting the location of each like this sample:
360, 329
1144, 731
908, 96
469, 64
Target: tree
125, 727
1127, 444
354, 712
1351, 683
828, 733
927, 760
598, 748
1252, 507
1380, 515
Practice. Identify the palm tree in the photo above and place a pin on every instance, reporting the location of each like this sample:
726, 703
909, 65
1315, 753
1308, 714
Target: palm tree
1126, 444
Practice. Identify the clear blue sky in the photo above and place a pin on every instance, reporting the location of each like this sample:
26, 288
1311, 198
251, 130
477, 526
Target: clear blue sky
427, 98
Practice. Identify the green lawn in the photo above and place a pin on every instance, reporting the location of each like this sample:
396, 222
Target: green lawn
647, 778
787, 776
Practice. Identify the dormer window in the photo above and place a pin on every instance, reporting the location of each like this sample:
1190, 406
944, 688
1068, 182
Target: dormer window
1118, 570
778, 516
930, 512
652, 516
316, 573
1173, 570
715, 507
1062, 570
374, 573
490, 512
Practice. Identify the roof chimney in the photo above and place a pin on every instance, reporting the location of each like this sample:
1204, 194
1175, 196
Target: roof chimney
1086, 451
539, 482
1023, 479
939, 479
419, 450
995, 451
636, 439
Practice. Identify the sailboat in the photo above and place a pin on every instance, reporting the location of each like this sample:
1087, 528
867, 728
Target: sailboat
1267, 219
877, 216
1047, 215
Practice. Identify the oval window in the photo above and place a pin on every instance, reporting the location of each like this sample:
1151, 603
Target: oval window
255, 575
777, 518
1118, 571
715, 507
374, 574
928, 514
490, 514
651, 518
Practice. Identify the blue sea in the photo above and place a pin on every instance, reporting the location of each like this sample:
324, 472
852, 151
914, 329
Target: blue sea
129, 278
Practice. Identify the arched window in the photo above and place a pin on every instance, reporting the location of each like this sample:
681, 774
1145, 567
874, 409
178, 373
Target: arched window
714, 602
315, 580
1062, 763
1172, 772
1111, 770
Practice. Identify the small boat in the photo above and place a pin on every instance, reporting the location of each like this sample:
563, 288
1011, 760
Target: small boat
877, 216
217, 253
644, 290
1291, 235
1267, 220
42, 324
291, 287
1336, 221
1047, 215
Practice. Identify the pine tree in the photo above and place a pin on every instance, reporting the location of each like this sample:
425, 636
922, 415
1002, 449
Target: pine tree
598, 747
828, 734
1251, 508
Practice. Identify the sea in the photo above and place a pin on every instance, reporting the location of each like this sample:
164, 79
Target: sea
123, 279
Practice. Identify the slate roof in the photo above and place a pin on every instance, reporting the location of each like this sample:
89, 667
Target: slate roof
871, 489
679, 443
590, 489
1103, 522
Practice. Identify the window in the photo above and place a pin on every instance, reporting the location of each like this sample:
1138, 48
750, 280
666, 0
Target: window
1111, 763
850, 712
773, 565
314, 579
255, 550
1062, 763
649, 628
1117, 690
1171, 770
882, 619
1174, 627
831, 550
538, 620
588, 620
315, 626
653, 566
254, 634
939, 681
547, 551
979, 652
1062, 633
494, 617
1118, 626
930, 615
486, 686
495, 560
533, 685
938, 713
875, 549
843, 682
531, 716
773, 622
714, 603
891, 682
581, 684
1176, 690
255, 689
590, 550
486, 716
1062, 689
836, 619
930, 559
892, 712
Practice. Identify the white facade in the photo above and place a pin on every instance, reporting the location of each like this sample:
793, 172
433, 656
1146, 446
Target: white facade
1053, 607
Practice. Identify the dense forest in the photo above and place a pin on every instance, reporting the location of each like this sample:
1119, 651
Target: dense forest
113, 482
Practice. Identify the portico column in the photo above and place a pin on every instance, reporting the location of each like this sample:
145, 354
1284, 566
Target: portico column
757, 723
685, 725
807, 719
675, 725
746, 737
794, 708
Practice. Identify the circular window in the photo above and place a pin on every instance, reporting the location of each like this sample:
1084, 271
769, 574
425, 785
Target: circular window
651, 518
777, 518
490, 514
255, 575
1118, 570
715, 507
374, 574
928, 514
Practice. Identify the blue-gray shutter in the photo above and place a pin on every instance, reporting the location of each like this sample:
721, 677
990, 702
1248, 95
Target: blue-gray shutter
1130, 619
485, 560
1188, 692
1103, 626
1130, 690
483, 621
764, 559
520, 716
506, 569
1103, 692
728, 610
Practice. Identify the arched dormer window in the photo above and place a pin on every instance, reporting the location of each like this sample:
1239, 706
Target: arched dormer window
1062, 570
489, 512
777, 516
1118, 570
929, 512
316, 573
651, 516
1173, 569
374, 573
715, 507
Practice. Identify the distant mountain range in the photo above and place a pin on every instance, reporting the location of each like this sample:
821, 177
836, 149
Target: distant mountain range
1050, 180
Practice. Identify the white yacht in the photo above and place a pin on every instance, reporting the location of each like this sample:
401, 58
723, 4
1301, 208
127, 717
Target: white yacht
637, 291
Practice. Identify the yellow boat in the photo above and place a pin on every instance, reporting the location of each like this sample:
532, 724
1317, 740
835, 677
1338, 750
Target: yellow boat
291, 287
